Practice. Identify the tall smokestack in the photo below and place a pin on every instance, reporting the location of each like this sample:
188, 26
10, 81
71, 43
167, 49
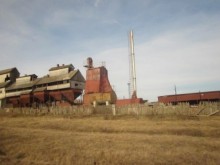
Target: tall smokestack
132, 66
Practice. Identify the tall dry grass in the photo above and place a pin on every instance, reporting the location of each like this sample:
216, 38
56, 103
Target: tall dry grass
109, 140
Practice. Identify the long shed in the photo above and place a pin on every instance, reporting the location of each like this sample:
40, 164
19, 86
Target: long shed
191, 98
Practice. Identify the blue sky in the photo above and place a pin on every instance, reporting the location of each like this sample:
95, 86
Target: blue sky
176, 42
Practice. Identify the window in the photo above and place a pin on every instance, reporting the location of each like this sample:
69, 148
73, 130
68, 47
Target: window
66, 81
7, 78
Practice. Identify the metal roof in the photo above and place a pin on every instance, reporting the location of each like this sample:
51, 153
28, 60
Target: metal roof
22, 85
29, 75
190, 97
4, 84
44, 80
8, 70
190, 93
47, 79
61, 67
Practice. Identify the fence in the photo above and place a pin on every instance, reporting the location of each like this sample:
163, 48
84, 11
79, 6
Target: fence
205, 108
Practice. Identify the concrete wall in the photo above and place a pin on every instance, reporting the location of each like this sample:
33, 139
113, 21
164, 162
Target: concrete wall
161, 109
135, 110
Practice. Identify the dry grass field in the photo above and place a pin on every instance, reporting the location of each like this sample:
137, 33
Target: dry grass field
45, 140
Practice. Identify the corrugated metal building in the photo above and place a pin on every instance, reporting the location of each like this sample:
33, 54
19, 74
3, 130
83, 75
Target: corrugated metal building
20, 92
98, 89
191, 98
61, 86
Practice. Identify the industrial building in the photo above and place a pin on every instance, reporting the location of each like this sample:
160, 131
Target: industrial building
191, 98
97, 88
7, 77
132, 85
61, 86
19, 93
64, 84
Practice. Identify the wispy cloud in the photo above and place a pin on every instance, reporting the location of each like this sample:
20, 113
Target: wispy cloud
172, 58
176, 42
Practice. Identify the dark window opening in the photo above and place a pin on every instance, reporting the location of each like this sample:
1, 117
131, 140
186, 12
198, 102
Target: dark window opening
7, 78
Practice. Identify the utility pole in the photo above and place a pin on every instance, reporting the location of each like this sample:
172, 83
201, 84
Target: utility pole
129, 90
175, 95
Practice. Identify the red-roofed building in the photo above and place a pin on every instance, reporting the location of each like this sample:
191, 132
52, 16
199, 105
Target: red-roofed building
191, 98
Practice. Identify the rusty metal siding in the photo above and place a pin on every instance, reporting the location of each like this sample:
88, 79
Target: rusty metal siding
71, 94
41, 96
97, 81
56, 95
26, 99
129, 101
15, 101
201, 96
97, 87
